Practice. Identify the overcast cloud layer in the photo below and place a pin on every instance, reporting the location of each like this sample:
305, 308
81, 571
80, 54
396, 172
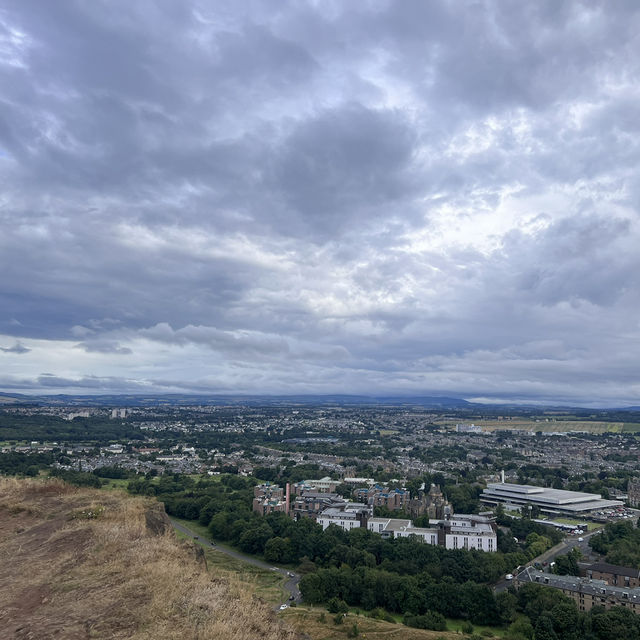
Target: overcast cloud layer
323, 196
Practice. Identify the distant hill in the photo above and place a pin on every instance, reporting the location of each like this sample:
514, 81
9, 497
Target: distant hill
96, 564
135, 400
337, 400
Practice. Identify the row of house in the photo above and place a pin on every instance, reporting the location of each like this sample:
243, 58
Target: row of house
588, 592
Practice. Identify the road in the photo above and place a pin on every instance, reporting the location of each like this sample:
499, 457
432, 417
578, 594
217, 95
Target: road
292, 579
550, 555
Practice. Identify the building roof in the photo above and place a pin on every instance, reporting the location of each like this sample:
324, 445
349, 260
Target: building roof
580, 585
558, 499
336, 512
605, 567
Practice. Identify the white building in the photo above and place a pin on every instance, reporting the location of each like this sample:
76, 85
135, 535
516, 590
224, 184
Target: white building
359, 482
399, 528
457, 532
468, 428
323, 485
468, 532
352, 516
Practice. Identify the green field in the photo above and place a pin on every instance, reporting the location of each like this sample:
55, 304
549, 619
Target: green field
591, 526
554, 425
456, 625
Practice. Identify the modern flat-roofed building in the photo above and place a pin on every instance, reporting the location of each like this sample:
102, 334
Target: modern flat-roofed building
352, 515
553, 501
468, 532
400, 528
457, 532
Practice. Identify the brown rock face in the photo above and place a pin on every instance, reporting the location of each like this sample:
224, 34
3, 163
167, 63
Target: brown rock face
156, 520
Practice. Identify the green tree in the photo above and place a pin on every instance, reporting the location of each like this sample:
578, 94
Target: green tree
521, 629
277, 550
544, 629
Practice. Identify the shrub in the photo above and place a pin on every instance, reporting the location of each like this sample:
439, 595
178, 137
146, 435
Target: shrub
430, 620
336, 605
466, 627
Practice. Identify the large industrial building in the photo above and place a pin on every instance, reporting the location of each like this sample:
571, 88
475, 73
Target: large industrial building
552, 501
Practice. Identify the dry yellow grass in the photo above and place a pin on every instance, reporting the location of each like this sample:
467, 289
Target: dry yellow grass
87, 564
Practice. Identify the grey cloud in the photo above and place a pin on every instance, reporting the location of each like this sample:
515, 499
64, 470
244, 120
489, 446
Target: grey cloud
16, 348
103, 346
345, 165
350, 196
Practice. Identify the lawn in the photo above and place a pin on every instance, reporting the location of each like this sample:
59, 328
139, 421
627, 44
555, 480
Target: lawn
116, 483
566, 424
591, 526
456, 625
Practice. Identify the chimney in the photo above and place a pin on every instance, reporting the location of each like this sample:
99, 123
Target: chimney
288, 498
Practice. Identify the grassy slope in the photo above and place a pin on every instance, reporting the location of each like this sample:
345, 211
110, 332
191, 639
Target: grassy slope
84, 564
318, 624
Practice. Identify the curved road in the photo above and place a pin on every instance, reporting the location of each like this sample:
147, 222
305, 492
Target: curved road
292, 579
564, 547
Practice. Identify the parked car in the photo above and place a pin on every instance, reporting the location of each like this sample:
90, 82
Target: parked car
509, 576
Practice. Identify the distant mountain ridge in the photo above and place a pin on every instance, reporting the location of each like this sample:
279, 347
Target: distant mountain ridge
346, 400
140, 400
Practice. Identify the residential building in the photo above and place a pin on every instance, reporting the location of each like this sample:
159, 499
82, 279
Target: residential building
399, 528
359, 482
268, 498
633, 492
459, 532
468, 532
614, 575
311, 503
378, 496
324, 485
585, 592
352, 515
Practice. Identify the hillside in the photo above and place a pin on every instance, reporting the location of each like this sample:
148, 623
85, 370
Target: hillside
80, 564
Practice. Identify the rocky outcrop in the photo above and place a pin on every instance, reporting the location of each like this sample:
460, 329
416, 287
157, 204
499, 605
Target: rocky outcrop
156, 520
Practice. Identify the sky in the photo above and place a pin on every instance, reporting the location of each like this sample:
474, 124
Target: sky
371, 197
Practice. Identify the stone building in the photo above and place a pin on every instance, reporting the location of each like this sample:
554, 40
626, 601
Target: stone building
633, 492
